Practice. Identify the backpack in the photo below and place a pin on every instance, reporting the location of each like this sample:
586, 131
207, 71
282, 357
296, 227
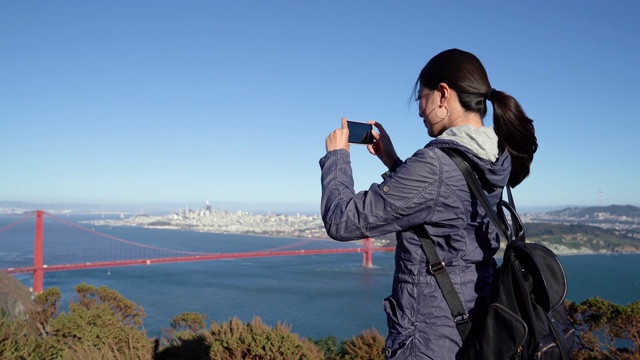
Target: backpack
524, 317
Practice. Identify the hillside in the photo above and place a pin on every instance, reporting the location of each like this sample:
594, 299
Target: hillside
614, 228
594, 212
577, 238
577, 230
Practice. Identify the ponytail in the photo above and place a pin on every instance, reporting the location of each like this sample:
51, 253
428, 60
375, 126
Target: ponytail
515, 133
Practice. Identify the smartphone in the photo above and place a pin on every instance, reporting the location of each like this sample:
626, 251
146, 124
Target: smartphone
359, 132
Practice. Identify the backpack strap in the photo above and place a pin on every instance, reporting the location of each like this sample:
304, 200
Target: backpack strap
437, 267
476, 188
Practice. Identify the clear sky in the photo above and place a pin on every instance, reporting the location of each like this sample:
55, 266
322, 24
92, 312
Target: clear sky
124, 102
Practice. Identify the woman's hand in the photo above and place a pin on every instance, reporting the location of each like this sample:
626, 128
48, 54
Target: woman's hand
339, 138
382, 147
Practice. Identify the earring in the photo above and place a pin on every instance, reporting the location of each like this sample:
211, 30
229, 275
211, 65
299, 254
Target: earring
435, 110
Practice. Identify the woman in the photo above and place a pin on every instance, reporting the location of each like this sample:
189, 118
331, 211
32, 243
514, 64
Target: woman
428, 191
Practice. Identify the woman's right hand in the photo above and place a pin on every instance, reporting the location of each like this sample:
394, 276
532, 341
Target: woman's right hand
382, 146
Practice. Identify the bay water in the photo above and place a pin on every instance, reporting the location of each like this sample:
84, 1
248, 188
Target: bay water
317, 295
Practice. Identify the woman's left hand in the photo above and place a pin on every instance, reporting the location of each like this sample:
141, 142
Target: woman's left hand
382, 147
339, 138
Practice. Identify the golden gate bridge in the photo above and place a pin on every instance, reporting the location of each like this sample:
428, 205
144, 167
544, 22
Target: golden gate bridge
115, 251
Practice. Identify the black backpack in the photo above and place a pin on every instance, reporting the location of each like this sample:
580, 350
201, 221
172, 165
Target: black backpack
524, 317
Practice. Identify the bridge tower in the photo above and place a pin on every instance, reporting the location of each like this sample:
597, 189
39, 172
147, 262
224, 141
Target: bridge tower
38, 254
367, 253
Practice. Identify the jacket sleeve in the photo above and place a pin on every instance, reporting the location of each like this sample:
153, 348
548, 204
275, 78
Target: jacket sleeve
407, 197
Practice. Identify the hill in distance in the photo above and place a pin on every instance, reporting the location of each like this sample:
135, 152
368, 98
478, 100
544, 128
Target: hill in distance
614, 228
628, 211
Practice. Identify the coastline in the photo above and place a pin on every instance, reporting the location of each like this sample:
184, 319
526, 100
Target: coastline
275, 226
284, 236
227, 222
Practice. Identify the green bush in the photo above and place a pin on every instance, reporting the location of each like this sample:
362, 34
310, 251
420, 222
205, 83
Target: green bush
186, 336
367, 346
97, 329
235, 340
189, 324
18, 340
330, 347
47, 305
606, 330
102, 324
125, 310
255, 341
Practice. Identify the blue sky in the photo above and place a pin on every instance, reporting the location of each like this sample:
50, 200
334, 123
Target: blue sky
125, 102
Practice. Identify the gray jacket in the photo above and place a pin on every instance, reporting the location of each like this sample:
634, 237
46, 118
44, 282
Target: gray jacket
428, 191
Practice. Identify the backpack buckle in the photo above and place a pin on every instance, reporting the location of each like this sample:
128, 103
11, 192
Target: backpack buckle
461, 319
436, 267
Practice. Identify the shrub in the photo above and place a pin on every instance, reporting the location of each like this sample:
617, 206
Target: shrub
367, 346
102, 323
234, 340
47, 305
184, 337
17, 341
126, 310
255, 341
606, 330
330, 347
189, 323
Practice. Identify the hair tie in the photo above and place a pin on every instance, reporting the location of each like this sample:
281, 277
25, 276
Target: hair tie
489, 94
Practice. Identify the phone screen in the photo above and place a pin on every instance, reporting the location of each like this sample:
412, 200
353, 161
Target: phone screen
359, 132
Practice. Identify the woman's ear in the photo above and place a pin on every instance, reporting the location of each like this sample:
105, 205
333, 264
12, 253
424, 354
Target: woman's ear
445, 93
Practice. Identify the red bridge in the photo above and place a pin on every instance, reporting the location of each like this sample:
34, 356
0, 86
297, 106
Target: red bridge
121, 252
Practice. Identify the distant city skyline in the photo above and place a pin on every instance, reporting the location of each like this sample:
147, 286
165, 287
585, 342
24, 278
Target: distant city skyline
181, 102
157, 208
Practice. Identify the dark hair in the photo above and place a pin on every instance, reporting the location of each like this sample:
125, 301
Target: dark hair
464, 73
